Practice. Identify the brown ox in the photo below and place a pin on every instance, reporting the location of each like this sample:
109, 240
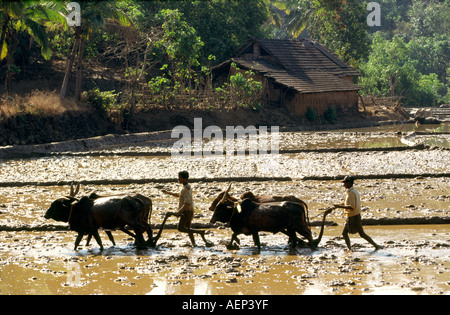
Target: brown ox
88, 214
249, 218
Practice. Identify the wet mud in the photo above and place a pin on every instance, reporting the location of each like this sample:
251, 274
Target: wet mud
409, 217
414, 260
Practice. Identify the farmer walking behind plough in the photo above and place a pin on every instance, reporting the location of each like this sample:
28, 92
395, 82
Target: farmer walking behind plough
186, 209
352, 206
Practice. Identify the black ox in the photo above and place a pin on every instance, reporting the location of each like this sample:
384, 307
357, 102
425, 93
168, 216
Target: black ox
226, 197
247, 217
89, 214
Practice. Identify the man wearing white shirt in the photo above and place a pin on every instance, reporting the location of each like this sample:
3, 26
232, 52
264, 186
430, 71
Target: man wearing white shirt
352, 206
186, 209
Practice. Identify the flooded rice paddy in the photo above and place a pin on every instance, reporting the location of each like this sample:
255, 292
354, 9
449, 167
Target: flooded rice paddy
37, 256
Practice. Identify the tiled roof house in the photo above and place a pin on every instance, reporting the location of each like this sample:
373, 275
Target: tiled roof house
297, 74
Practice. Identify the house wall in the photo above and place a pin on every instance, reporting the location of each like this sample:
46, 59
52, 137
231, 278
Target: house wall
272, 93
298, 103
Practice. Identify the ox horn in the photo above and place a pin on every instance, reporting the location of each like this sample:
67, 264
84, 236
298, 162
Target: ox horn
73, 192
224, 198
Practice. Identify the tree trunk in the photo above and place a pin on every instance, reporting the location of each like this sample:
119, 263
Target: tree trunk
10, 60
3, 34
393, 81
69, 66
362, 102
132, 108
78, 88
189, 77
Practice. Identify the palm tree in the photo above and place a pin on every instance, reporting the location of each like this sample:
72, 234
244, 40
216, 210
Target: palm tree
298, 15
26, 16
94, 15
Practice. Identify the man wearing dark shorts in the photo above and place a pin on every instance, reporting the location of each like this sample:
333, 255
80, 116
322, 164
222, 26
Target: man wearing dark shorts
352, 206
186, 209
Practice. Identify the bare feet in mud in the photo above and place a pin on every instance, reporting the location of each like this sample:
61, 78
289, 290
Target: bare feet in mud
207, 243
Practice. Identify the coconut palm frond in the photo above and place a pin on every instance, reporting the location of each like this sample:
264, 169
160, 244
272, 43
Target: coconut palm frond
13, 9
4, 51
39, 34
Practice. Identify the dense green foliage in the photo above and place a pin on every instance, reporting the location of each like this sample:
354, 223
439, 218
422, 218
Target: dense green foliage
223, 25
410, 52
397, 68
167, 46
242, 89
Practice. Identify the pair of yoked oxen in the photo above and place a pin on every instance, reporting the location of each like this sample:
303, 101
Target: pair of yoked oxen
247, 215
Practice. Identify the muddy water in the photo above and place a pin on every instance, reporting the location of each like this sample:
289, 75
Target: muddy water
415, 260
37, 256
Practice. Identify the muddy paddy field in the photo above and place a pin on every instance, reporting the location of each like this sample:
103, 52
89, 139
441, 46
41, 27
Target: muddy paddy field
404, 184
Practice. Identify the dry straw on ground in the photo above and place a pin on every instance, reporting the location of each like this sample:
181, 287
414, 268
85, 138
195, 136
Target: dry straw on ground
45, 103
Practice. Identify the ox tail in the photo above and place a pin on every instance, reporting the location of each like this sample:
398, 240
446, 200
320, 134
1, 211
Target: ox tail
306, 213
149, 214
143, 214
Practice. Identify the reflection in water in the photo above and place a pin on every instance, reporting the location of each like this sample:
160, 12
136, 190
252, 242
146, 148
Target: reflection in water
163, 287
160, 288
202, 287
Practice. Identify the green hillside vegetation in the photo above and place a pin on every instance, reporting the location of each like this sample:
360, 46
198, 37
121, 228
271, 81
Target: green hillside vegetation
126, 56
